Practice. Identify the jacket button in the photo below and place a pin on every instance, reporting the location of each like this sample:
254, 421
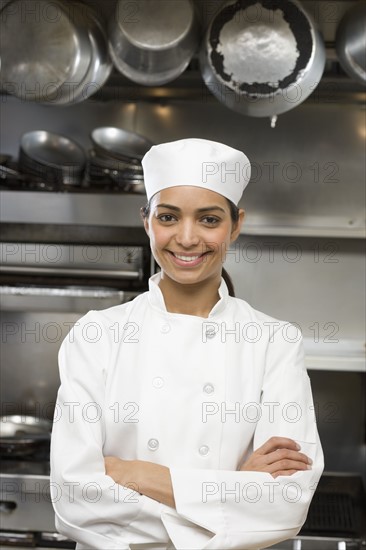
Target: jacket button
165, 328
204, 450
153, 444
208, 388
158, 382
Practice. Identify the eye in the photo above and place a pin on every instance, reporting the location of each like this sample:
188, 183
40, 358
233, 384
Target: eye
211, 220
166, 218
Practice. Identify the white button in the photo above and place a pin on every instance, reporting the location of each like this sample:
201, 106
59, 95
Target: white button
208, 388
203, 450
158, 382
210, 333
165, 328
153, 444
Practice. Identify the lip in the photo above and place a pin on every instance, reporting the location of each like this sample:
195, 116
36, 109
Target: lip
184, 263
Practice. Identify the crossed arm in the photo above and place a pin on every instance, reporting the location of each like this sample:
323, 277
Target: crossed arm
278, 456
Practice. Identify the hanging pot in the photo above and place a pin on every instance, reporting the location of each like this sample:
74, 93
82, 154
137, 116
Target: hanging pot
44, 55
262, 58
152, 43
351, 42
57, 55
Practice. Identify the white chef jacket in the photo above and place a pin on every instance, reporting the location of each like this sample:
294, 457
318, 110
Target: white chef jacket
197, 395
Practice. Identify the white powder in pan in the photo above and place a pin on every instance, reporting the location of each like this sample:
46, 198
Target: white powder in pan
259, 51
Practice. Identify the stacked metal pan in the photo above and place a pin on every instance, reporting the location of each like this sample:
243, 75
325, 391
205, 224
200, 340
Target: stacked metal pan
116, 159
54, 158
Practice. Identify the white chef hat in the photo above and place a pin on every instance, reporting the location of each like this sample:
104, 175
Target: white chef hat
197, 162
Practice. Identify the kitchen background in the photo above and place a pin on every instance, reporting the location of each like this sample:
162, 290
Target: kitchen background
300, 256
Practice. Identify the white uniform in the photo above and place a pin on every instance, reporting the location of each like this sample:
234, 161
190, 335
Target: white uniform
196, 395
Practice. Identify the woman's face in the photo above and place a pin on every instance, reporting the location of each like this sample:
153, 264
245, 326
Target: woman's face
190, 229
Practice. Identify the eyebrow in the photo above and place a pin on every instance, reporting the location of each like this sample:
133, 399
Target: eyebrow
205, 209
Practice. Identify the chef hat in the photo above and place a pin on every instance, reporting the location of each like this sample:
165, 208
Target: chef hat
197, 162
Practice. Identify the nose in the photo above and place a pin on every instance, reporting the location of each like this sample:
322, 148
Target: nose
187, 234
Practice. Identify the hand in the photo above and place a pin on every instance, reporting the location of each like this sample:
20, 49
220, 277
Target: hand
279, 456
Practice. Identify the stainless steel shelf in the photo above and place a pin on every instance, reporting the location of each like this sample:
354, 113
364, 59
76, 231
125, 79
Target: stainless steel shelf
114, 210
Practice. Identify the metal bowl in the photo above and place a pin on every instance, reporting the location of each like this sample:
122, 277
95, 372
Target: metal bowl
152, 43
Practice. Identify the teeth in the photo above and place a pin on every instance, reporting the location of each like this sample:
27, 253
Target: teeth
187, 258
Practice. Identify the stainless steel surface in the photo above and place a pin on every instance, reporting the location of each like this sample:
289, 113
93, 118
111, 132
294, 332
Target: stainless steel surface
31, 339
17, 539
262, 62
63, 208
38, 313
152, 42
320, 543
32, 499
308, 275
63, 272
82, 259
304, 182
65, 299
47, 55
351, 42
308, 177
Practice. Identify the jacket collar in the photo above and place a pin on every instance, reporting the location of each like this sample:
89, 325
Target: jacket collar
156, 297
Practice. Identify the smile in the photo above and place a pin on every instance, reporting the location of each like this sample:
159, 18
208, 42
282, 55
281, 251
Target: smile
186, 260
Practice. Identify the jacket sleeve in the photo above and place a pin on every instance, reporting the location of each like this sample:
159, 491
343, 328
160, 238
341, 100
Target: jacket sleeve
90, 508
251, 510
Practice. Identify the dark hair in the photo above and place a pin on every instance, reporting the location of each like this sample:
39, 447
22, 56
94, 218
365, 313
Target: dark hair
234, 214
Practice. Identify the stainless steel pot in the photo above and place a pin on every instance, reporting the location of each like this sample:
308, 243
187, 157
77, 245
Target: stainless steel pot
100, 61
52, 51
351, 42
45, 53
262, 58
153, 42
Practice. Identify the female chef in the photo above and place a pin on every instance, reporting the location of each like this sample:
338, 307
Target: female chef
191, 426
